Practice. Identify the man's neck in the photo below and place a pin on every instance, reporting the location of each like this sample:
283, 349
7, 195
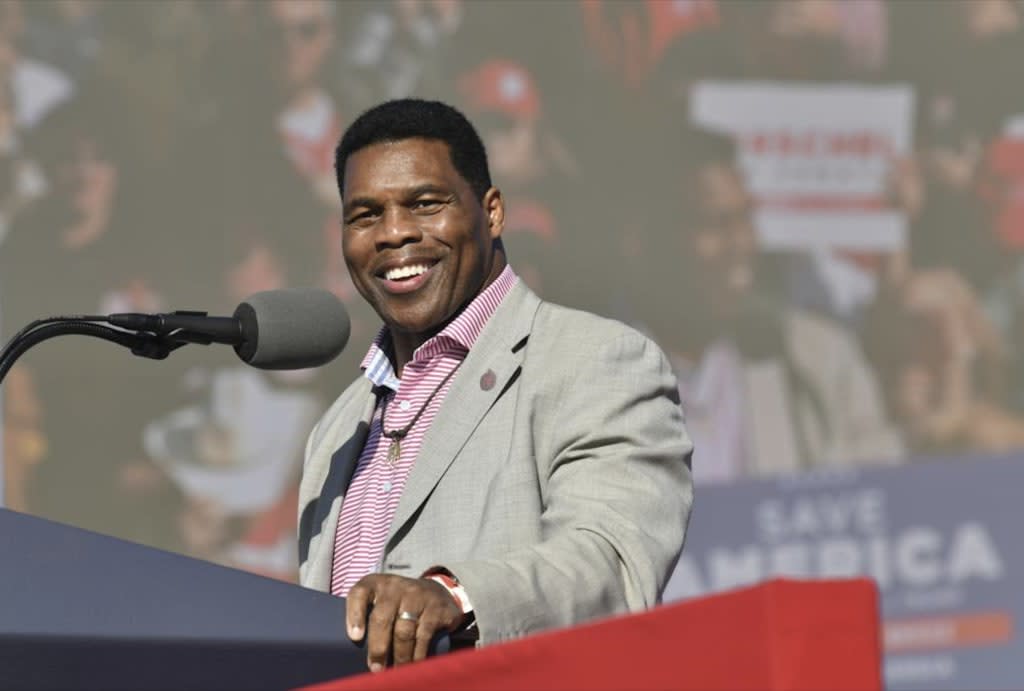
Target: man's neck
403, 346
404, 343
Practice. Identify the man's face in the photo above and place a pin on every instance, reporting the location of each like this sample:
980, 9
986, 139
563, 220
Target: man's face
722, 236
418, 243
305, 33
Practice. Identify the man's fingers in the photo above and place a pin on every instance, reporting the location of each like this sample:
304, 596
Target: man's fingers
380, 626
434, 619
428, 628
405, 633
356, 605
374, 614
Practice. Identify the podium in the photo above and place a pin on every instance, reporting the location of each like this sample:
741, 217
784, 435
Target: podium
79, 610
778, 636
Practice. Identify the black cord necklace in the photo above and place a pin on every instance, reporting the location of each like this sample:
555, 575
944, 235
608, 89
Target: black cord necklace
396, 436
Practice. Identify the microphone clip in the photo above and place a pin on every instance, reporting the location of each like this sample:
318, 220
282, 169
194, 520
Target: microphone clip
155, 347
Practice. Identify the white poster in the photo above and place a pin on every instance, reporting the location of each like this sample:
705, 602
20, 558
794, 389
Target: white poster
817, 158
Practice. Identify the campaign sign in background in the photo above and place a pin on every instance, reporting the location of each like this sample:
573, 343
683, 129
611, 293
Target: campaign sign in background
943, 539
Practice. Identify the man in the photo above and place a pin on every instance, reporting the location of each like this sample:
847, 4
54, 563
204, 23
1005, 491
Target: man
503, 465
767, 388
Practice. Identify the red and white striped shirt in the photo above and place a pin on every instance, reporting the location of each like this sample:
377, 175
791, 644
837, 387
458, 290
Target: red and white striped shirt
377, 485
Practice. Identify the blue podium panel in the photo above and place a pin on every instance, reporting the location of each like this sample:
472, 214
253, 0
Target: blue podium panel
79, 610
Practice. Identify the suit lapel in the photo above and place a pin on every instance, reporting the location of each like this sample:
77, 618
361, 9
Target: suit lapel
469, 399
352, 425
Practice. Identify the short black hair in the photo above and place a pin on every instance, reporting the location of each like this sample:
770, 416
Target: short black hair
411, 118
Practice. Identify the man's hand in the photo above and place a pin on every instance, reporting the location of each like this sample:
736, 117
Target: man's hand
404, 615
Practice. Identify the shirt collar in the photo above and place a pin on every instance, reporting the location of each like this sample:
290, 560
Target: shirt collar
461, 332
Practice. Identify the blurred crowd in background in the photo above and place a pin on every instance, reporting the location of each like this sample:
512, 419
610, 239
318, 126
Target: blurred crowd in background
177, 154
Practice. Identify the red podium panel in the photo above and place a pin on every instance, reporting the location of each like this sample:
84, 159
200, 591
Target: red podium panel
782, 635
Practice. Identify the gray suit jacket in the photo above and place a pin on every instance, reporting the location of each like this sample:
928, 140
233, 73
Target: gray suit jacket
559, 494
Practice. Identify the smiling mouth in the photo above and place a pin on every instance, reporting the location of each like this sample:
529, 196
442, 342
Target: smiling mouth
404, 273
405, 279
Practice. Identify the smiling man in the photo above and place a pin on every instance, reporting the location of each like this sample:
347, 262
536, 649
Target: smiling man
503, 465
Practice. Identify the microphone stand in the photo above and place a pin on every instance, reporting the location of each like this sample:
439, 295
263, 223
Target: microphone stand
153, 345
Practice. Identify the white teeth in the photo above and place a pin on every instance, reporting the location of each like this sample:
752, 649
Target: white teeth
406, 272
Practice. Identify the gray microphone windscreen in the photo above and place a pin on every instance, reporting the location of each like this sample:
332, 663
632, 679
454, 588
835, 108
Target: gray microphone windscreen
294, 328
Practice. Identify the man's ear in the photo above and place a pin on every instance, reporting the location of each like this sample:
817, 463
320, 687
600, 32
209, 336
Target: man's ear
494, 207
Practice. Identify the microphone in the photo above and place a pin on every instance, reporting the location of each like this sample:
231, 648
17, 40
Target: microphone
293, 328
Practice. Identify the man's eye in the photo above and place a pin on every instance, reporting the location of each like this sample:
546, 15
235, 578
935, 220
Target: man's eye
361, 218
427, 204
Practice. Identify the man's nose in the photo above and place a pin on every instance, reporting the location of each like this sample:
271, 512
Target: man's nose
398, 227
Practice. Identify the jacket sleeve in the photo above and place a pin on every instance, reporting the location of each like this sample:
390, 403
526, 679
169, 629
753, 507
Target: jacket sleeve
613, 459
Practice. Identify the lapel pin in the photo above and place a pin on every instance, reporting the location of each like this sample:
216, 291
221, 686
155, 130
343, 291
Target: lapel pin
487, 380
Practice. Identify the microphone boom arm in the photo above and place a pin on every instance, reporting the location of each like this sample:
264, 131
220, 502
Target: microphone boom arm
292, 328
148, 345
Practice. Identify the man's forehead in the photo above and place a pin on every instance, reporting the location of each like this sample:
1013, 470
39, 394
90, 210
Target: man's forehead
400, 165
420, 148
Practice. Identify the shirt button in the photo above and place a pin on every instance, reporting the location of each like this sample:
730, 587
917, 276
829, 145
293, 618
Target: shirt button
404, 405
386, 487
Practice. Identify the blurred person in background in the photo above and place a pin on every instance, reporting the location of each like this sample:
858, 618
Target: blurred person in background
80, 228
505, 96
302, 37
403, 48
307, 116
233, 451
937, 190
35, 87
21, 181
145, 77
964, 62
670, 43
82, 249
954, 59
999, 27
68, 34
962, 210
936, 281
29, 91
25, 445
114, 150
809, 39
655, 48
542, 177
274, 101
943, 365
967, 53
766, 387
1002, 189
